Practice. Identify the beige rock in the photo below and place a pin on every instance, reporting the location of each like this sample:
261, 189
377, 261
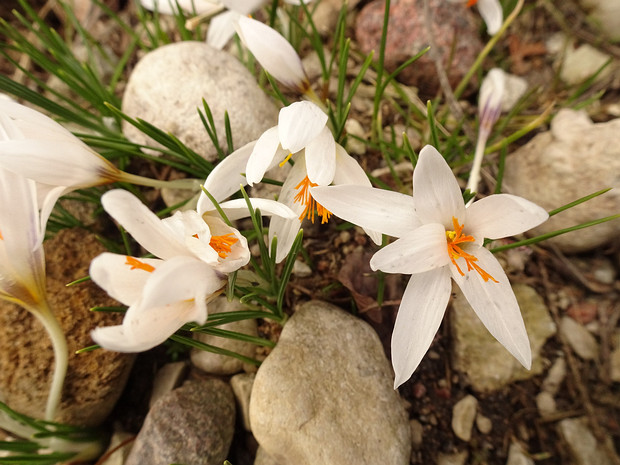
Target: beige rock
575, 158
335, 397
581, 443
463, 416
486, 363
95, 379
579, 338
224, 364
167, 87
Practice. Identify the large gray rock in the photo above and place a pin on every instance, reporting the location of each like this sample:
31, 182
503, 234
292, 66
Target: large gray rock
223, 364
575, 158
582, 445
324, 395
168, 85
193, 425
485, 362
94, 379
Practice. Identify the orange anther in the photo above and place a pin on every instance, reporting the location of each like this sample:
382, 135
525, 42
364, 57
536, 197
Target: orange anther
136, 264
223, 244
304, 198
455, 238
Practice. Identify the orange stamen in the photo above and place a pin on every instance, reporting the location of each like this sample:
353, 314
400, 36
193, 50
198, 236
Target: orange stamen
136, 264
303, 197
455, 251
1, 238
223, 244
471, 3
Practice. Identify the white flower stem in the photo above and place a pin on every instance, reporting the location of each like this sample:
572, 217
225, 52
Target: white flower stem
474, 175
61, 358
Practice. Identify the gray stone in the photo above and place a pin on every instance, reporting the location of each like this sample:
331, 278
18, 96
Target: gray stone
167, 87
242, 389
463, 416
458, 458
325, 395
575, 158
581, 443
486, 363
605, 15
223, 364
94, 379
555, 376
167, 378
579, 338
545, 404
193, 424
517, 456
484, 424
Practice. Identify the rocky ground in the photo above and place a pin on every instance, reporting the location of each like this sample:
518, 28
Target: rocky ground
326, 389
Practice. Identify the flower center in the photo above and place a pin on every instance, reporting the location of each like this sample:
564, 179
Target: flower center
455, 251
223, 244
136, 264
304, 198
471, 3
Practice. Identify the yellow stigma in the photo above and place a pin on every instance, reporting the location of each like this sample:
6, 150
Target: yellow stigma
223, 244
455, 251
283, 162
136, 264
304, 198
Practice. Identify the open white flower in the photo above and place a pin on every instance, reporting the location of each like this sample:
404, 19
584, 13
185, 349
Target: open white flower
162, 296
302, 136
36, 147
439, 240
186, 233
170, 7
22, 268
274, 53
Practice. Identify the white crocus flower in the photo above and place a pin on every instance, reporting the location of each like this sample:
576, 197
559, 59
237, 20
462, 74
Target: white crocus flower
162, 296
302, 136
36, 147
489, 108
22, 269
275, 54
439, 240
186, 233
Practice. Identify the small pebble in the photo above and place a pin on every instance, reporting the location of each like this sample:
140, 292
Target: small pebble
580, 339
417, 433
545, 404
463, 416
555, 376
301, 269
517, 456
484, 424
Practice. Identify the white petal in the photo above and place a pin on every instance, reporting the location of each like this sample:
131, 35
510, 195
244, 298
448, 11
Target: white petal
243, 7
226, 178
300, 123
237, 208
61, 163
436, 192
221, 29
142, 224
49, 201
491, 12
496, 305
419, 316
502, 215
286, 229
239, 252
262, 155
349, 171
273, 52
491, 95
388, 212
190, 229
321, 158
121, 276
421, 250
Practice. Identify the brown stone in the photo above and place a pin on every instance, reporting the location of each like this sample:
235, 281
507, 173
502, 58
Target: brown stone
456, 31
95, 379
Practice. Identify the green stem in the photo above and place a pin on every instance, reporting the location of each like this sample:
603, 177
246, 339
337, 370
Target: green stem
191, 184
61, 357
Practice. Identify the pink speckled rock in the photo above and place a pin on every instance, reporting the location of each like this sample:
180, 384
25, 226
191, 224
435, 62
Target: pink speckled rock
456, 31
